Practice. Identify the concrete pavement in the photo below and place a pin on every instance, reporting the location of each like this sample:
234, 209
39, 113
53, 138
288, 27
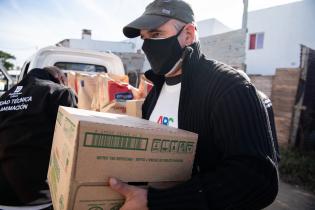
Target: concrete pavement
292, 197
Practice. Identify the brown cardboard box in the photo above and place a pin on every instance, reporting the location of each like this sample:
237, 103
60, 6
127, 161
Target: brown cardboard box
119, 78
134, 108
115, 107
89, 147
72, 81
86, 84
145, 86
108, 86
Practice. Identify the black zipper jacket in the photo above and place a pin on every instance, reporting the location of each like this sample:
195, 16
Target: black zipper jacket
27, 118
235, 163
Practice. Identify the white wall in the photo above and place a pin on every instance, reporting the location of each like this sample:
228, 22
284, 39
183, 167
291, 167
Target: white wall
102, 45
210, 27
285, 28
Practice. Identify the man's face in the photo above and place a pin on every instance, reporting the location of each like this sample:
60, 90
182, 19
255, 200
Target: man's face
166, 30
171, 28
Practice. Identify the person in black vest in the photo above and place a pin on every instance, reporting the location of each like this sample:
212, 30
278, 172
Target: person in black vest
27, 118
235, 163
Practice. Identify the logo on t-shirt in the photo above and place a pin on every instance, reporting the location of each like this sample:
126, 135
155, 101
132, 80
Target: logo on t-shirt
165, 120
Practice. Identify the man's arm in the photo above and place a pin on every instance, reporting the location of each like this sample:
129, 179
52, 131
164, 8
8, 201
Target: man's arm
246, 177
68, 98
62, 97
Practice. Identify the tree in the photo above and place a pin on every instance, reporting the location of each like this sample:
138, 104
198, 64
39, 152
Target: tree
4, 56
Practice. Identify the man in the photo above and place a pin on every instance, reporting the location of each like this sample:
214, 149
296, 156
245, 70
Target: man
234, 165
27, 118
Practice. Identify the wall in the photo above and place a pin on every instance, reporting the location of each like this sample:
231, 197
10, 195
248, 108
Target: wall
285, 28
97, 45
132, 61
262, 83
228, 47
284, 89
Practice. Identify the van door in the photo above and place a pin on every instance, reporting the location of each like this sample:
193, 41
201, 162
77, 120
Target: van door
4, 82
24, 70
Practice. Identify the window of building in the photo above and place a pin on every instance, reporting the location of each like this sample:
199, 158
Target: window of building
256, 41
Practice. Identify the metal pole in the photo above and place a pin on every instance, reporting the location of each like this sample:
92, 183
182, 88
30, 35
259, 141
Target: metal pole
245, 12
244, 30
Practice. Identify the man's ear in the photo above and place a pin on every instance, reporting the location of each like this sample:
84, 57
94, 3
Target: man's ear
190, 34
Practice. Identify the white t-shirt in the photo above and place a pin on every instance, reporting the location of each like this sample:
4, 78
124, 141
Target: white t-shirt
165, 111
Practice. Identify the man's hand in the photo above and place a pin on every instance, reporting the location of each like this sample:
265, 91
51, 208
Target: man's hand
136, 197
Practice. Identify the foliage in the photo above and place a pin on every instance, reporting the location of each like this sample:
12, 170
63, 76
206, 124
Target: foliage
298, 167
4, 56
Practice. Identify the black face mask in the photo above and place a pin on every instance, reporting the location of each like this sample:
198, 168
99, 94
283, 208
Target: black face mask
163, 53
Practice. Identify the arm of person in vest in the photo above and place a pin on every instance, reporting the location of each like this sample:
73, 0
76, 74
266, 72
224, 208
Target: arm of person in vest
61, 96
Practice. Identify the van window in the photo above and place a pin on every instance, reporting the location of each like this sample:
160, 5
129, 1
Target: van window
81, 67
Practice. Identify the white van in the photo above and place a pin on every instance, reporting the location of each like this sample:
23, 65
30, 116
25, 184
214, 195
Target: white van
74, 59
6, 80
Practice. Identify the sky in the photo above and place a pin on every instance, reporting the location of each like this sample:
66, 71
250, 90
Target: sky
28, 25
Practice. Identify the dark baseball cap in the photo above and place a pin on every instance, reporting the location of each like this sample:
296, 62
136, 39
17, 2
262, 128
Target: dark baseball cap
157, 13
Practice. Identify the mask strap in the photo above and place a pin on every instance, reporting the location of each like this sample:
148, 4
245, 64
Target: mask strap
176, 35
180, 31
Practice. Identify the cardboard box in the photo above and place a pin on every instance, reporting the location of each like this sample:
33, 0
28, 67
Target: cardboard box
89, 147
116, 107
145, 86
108, 86
72, 81
86, 84
134, 108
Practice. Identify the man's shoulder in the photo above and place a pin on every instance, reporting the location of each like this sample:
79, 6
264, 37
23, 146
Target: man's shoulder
51, 85
59, 94
222, 73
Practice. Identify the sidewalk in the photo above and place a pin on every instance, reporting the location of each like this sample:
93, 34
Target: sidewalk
292, 197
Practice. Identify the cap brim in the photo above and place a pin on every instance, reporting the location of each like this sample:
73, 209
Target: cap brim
144, 22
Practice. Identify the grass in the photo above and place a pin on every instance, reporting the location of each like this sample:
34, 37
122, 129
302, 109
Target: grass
298, 167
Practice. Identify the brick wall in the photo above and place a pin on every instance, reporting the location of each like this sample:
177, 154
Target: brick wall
132, 61
284, 88
262, 83
227, 47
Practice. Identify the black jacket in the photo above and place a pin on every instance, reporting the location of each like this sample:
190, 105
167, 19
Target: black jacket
235, 160
268, 105
27, 117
